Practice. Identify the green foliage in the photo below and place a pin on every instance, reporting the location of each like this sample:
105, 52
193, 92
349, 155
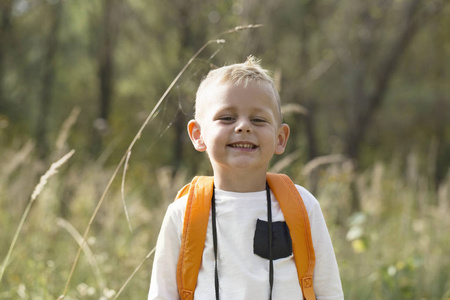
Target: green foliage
325, 53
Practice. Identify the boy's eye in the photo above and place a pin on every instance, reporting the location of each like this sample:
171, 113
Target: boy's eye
258, 120
226, 118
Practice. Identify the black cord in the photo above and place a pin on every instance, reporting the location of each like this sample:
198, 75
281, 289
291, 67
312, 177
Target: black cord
214, 229
269, 219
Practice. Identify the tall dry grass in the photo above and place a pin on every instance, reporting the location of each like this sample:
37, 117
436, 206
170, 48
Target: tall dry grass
36, 192
395, 248
42, 257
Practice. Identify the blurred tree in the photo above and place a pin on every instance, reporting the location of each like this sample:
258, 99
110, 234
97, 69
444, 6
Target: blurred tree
185, 17
5, 40
49, 70
440, 30
370, 39
363, 102
370, 54
106, 71
348, 63
306, 30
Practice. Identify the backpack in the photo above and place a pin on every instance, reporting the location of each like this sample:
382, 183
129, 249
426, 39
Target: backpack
195, 224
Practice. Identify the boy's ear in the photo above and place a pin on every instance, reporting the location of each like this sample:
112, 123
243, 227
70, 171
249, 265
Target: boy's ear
283, 136
196, 135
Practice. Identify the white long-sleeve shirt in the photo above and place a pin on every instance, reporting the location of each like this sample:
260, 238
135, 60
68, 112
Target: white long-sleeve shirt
243, 275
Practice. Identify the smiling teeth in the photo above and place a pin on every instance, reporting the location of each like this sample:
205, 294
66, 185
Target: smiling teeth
247, 146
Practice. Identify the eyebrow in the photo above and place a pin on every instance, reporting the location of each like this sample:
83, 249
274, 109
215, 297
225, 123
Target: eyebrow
234, 108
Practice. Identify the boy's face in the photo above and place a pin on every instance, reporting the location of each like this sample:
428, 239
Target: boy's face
239, 127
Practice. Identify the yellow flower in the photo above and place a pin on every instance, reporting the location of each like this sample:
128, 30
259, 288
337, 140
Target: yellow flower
359, 246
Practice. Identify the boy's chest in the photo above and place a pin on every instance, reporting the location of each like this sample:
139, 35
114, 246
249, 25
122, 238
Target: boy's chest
242, 273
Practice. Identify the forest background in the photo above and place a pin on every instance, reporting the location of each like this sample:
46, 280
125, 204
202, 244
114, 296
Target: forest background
364, 86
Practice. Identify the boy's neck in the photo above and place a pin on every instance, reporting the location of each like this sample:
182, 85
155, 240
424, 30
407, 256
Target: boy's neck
241, 182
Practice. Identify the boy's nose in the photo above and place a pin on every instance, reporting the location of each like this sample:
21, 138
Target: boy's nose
243, 126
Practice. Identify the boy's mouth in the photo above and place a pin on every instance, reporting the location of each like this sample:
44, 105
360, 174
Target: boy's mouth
242, 145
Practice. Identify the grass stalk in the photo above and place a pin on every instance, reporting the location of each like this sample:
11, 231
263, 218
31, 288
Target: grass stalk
65, 128
137, 137
134, 272
130, 147
125, 167
86, 250
37, 190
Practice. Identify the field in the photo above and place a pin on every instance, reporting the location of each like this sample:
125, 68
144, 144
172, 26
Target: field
366, 80
396, 247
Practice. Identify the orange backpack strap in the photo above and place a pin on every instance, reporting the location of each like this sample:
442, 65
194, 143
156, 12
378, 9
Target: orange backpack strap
292, 206
194, 233
196, 222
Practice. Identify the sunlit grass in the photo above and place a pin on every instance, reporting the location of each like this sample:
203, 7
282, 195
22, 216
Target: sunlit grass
395, 248
41, 260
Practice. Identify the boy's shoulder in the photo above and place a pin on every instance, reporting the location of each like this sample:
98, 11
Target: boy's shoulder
308, 199
179, 205
176, 209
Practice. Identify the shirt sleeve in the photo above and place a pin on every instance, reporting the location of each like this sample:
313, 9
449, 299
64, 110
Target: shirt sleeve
326, 278
163, 284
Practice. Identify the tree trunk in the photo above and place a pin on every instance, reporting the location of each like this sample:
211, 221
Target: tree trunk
189, 43
106, 61
305, 66
366, 104
105, 73
5, 31
47, 82
363, 105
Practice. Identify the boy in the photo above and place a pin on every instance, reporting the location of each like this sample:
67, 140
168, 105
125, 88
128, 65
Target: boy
238, 123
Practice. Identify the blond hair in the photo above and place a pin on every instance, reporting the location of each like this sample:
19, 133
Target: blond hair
243, 73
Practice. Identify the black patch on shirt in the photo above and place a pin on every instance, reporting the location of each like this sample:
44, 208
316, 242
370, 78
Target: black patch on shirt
281, 240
